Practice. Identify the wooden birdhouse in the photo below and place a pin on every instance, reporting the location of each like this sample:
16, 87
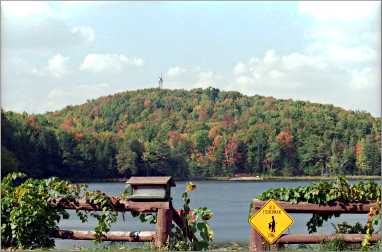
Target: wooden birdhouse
149, 188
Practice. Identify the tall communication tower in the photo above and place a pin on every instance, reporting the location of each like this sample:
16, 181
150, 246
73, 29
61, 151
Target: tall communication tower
160, 82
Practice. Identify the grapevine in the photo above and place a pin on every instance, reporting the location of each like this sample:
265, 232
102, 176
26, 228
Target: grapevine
196, 224
329, 192
28, 220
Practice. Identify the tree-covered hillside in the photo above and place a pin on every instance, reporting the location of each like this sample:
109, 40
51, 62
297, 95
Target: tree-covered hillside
191, 133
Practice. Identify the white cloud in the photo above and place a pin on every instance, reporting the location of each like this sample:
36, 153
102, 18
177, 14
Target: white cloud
339, 10
297, 60
317, 78
86, 32
191, 77
340, 64
276, 74
25, 8
270, 57
244, 81
39, 25
109, 62
207, 78
136, 62
59, 97
36, 72
354, 54
175, 71
46, 35
240, 68
57, 65
363, 78
338, 59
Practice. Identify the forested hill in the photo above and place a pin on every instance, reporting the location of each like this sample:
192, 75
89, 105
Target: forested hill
193, 133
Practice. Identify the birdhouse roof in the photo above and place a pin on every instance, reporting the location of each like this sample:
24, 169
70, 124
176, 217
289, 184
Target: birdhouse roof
151, 181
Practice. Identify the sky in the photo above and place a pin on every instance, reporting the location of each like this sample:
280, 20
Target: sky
55, 54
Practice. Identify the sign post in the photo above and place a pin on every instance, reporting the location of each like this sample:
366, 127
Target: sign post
270, 221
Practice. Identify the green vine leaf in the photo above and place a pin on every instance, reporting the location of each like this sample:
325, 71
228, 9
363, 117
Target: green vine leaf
326, 193
28, 219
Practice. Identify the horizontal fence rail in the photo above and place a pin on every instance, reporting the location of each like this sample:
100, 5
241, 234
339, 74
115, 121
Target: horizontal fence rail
166, 214
316, 238
142, 236
117, 204
257, 243
336, 207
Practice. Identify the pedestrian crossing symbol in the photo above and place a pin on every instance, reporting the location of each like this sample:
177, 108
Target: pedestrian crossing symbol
270, 221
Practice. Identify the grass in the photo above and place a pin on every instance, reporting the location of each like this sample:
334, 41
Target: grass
217, 246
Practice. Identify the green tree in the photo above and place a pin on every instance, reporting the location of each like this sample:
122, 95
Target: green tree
256, 140
157, 157
126, 160
201, 141
334, 165
280, 137
9, 162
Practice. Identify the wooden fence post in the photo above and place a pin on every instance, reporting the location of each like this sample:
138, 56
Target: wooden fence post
256, 241
163, 226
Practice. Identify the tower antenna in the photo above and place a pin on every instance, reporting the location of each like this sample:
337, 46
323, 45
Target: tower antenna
160, 82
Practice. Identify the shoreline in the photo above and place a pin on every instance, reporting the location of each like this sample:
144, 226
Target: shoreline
238, 179
286, 178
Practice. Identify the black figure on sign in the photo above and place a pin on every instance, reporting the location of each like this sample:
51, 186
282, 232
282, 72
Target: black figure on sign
272, 225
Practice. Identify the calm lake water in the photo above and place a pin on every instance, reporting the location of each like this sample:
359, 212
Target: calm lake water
228, 200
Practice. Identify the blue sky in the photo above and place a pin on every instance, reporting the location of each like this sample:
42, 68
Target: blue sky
60, 53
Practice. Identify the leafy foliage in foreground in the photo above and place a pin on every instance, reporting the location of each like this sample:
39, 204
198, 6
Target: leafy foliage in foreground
329, 192
195, 133
197, 226
28, 220
326, 192
29, 217
197, 233
26, 217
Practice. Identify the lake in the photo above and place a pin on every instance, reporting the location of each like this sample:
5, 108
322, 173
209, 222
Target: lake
228, 200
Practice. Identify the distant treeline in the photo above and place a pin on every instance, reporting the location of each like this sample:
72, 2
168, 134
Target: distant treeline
195, 133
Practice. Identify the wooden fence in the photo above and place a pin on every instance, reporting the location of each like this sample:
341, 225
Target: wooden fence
166, 214
257, 243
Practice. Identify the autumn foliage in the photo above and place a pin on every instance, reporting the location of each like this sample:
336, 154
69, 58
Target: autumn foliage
196, 133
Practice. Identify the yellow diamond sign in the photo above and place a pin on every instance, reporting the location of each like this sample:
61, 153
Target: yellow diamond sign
270, 221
